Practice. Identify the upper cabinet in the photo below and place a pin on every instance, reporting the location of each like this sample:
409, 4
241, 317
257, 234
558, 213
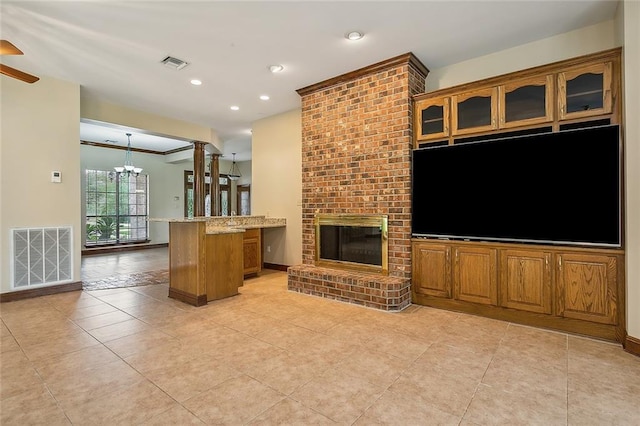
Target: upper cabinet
545, 98
432, 119
585, 91
474, 111
527, 101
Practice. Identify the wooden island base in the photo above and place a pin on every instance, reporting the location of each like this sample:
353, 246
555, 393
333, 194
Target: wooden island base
204, 266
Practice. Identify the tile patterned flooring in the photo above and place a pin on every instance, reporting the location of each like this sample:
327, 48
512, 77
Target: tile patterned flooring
132, 356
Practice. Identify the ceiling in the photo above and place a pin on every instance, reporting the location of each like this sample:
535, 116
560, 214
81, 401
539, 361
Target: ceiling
114, 50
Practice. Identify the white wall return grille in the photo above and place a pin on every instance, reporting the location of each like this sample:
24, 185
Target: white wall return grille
41, 256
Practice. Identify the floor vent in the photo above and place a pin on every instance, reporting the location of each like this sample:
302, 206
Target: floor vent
41, 256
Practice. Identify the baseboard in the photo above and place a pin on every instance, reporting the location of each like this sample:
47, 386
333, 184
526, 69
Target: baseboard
188, 298
115, 249
41, 291
632, 345
275, 266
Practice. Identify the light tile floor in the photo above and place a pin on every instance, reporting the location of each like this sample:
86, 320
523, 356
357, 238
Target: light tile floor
268, 356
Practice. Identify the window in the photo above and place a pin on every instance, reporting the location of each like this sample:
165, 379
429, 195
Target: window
116, 208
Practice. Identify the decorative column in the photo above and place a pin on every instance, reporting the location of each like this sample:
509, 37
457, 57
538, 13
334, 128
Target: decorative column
198, 178
214, 187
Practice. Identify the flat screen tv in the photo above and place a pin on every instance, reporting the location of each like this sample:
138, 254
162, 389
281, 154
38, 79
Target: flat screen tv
550, 188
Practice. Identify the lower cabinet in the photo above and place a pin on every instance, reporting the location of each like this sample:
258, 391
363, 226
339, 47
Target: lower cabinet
567, 288
252, 251
525, 278
432, 269
587, 287
475, 275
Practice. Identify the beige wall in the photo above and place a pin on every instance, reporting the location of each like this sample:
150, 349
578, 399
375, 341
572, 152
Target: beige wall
40, 133
568, 45
631, 60
276, 188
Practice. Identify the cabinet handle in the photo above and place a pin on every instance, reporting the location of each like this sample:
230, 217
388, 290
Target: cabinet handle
560, 262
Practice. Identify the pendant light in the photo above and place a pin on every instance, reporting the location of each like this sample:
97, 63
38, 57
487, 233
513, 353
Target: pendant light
234, 172
128, 164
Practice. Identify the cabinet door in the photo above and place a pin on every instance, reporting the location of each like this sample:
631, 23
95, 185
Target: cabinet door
431, 269
587, 287
585, 91
525, 280
525, 102
432, 119
252, 251
474, 111
475, 275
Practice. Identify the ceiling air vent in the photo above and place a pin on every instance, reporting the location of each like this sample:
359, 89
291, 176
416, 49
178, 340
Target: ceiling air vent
174, 63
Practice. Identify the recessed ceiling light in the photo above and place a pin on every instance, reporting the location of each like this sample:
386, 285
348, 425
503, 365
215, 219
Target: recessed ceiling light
276, 68
196, 82
354, 35
235, 107
264, 97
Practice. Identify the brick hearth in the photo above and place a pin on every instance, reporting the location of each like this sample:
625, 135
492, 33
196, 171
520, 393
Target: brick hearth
356, 159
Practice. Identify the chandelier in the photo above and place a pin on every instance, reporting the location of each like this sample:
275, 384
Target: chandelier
128, 164
234, 172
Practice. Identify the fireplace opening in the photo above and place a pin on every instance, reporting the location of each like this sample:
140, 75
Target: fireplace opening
352, 242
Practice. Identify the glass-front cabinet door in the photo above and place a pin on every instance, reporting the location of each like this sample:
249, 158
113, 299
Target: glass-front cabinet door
527, 101
585, 91
432, 120
474, 111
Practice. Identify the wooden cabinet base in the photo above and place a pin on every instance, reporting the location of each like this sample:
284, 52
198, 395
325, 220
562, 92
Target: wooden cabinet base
574, 289
185, 297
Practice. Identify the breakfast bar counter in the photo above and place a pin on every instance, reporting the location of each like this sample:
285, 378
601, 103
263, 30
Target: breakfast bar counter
208, 255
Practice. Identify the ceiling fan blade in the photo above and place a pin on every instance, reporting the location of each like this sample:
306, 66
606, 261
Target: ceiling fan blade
7, 48
12, 72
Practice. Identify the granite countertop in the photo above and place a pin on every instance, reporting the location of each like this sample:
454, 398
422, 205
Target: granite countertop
230, 224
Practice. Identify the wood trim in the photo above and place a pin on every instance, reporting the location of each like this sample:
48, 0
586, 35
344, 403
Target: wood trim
189, 298
529, 72
119, 248
275, 267
144, 151
123, 148
632, 345
603, 331
407, 58
42, 291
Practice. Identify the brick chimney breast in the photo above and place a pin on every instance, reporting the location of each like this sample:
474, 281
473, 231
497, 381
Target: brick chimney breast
356, 159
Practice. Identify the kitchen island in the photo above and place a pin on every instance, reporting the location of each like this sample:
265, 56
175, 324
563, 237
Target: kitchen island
208, 255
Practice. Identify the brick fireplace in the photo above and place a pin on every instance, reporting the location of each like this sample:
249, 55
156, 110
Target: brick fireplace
356, 160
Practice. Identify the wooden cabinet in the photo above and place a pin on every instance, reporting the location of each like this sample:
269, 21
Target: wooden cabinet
525, 280
587, 287
543, 98
475, 275
565, 288
252, 251
432, 119
585, 91
432, 269
526, 102
474, 111
203, 267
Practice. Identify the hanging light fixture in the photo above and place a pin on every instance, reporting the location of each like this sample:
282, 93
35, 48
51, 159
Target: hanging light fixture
128, 164
234, 172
